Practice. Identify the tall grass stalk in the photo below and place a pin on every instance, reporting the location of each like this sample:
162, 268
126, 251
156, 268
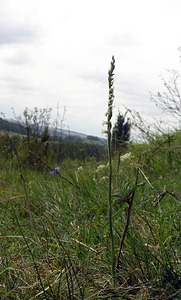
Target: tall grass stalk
46, 293
27, 203
28, 207
130, 204
109, 125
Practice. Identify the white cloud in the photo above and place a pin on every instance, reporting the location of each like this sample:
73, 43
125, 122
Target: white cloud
20, 57
16, 33
123, 40
60, 51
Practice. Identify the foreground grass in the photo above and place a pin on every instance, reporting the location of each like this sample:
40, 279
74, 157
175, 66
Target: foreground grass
66, 254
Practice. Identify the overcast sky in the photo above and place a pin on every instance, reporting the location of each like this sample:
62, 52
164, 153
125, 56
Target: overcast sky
54, 51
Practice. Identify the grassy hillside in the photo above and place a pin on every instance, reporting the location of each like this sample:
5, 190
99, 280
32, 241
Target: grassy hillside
54, 134
55, 238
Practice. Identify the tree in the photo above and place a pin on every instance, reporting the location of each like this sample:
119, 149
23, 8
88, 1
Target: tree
45, 135
170, 100
36, 122
121, 131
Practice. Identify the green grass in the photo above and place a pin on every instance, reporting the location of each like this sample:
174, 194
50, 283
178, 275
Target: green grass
72, 257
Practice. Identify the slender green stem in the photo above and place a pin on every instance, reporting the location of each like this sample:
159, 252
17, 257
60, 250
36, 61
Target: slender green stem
109, 125
125, 230
113, 260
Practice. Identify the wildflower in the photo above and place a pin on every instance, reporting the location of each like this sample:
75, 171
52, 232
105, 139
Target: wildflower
125, 156
79, 169
100, 167
104, 178
56, 170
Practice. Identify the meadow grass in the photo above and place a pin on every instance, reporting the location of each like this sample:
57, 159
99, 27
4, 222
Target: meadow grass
72, 258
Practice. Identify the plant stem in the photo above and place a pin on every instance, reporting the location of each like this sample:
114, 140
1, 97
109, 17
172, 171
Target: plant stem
110, 209
109, 125
127, 220
32, 222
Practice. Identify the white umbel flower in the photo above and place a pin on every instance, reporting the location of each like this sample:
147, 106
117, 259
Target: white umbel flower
125, 156
101, 167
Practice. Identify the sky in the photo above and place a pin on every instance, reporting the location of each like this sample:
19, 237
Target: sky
55, 52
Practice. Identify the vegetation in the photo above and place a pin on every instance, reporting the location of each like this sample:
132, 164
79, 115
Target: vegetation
121, 132
170, 100
90, 227
11, 126
43, 130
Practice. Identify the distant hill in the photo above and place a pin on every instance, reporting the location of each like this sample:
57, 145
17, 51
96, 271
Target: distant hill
11, 126
57, 134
